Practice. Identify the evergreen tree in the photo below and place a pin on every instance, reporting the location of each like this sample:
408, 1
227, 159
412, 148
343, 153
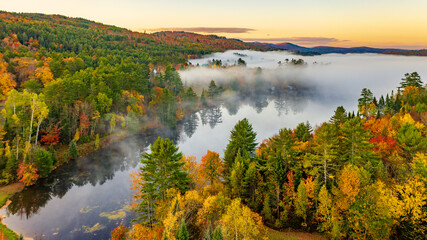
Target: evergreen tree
217, 235
303, 131
411, 140
189, 100
182, 232
301, 203
365, 100
242, 140
161, 169
266, 209
43, 161
167, 108
53, 155
213, 90
357, 148
339, 116
237, 178
72, 150
250, 185
411, 79
326, 150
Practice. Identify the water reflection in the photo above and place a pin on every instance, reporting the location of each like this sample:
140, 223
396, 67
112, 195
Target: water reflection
101, 179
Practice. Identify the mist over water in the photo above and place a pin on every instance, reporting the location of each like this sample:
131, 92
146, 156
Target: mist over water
336, 78
87, 198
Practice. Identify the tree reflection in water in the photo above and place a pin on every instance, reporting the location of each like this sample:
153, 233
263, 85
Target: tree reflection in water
101, 166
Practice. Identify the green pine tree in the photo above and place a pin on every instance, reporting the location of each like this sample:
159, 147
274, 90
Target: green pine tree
411, 140
301, 203
266, 209
339, 116
237, 178
182, 232
250, 185
411, 79
242, 140
217, 235
72, 150
43, 161
53, 155
161, 169
357, 148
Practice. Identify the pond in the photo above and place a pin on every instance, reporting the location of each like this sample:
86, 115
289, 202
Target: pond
87, 198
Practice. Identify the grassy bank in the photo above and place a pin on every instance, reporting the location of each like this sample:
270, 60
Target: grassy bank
294, 235
5, 193
7, 234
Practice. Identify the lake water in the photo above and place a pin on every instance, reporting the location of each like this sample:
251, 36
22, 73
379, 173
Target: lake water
87, 198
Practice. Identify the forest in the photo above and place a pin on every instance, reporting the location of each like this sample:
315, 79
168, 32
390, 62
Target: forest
357, 176
69, 83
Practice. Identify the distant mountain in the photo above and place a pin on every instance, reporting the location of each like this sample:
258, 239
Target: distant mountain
328, 49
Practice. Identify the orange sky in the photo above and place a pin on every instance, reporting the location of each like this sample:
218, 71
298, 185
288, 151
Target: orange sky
378, 23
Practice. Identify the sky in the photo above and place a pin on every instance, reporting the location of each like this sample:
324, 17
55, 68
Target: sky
375, 23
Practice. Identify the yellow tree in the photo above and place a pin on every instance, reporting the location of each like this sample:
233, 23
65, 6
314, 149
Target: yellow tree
239, 222
6, 82
348, 187
212, 210
412, 204
44, 74
324, 211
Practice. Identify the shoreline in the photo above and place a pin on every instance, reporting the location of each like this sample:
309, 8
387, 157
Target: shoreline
7, 191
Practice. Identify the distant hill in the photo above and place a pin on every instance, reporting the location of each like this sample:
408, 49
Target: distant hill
328, 49
56, 33
421, 52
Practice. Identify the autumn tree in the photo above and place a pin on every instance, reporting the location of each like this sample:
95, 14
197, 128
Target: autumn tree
6, 82
324, 209
119, 233
212, 167
240, 223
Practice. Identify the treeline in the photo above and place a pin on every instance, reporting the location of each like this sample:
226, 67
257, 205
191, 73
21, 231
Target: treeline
357, 176
69, 81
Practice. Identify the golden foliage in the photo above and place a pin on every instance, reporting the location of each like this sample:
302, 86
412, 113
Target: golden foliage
348, 187
6, 82
239, 222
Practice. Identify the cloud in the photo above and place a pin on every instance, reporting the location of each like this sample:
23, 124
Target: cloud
206, 29
298, 40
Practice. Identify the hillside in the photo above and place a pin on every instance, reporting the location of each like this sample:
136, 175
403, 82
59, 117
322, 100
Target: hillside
421, 52
70, 80
76, 35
